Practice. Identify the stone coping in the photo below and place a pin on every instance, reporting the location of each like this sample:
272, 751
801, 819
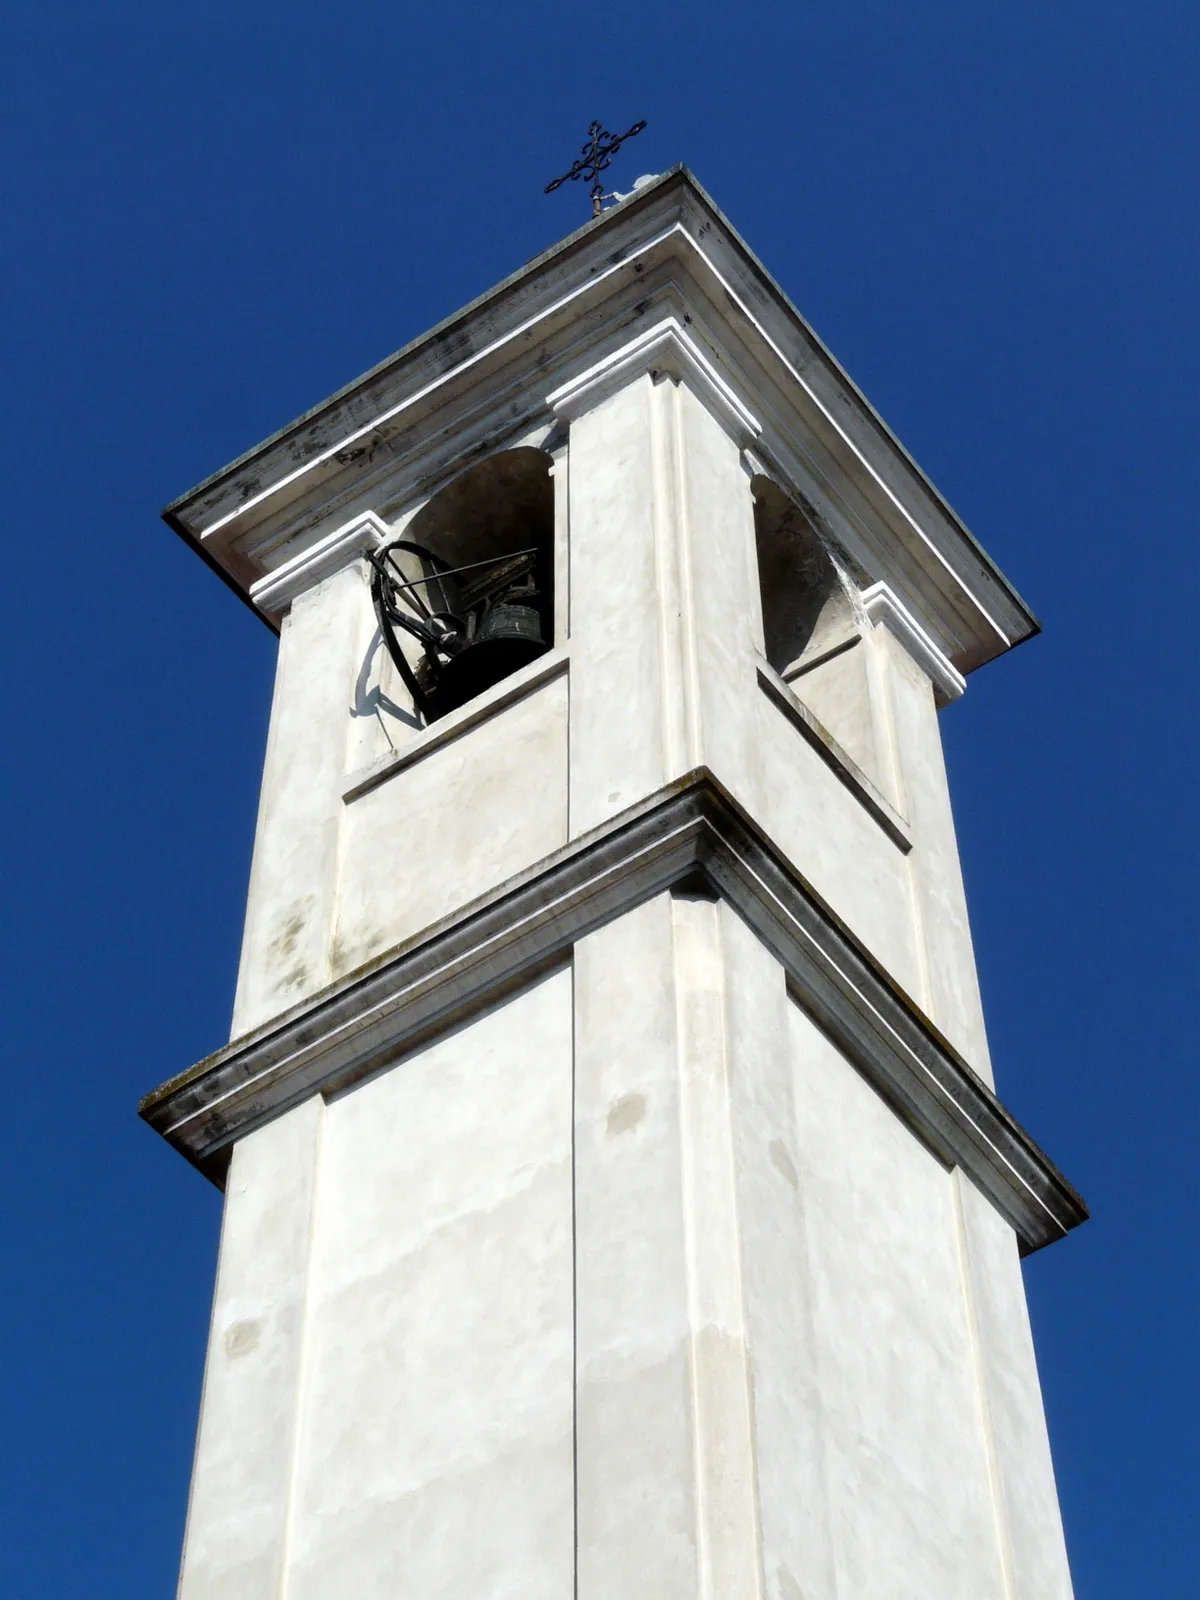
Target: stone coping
847, 771
691, 830
517, 686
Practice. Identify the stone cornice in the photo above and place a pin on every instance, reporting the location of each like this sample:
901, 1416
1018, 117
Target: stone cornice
371, 1018
461, 390
275, 593
665, 347
885, 610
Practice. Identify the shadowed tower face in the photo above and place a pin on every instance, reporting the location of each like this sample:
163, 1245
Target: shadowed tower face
617, 1201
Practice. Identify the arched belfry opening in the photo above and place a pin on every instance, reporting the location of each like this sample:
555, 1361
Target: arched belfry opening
466, 596
806, 604
812, 634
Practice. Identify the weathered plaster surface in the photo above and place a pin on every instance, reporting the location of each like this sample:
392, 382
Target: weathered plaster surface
1024, 1491
846, 854
293, 884
836, 690
415, 848
633, 1283
436, 1417
637, 1495
617, 1203
797, 1536
389, 1397
245, 1455
617, 732
947, 985
902, 1428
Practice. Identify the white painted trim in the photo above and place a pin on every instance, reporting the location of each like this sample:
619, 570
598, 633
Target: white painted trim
556, 308
665, 347
676, 231
336, 550
885, 610
367, 1020
517, 686
414, 399
815, 399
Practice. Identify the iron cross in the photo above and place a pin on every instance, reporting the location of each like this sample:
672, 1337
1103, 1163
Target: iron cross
601, 147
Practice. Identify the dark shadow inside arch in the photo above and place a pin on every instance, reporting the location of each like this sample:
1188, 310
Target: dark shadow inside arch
803, 596
504, 504
498, 508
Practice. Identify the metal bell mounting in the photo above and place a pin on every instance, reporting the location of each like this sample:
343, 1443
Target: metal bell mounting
474, 622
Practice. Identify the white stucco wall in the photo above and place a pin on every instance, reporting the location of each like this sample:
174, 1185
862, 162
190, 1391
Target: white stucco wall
293, 881
949, 986
235, 1544
838, 846
656, 538
435, 1453
631, 1285
389, 1396
463, 819
906, 1457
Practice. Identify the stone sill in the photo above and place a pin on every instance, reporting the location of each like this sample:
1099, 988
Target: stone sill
443, 732
876, 805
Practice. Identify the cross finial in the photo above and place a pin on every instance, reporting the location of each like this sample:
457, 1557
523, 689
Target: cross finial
594, 157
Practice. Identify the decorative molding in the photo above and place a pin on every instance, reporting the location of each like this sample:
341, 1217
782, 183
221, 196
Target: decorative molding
343, 447
443, 732
368, 1020
490, 362
846, 770
274, 593
885, 610
665, 347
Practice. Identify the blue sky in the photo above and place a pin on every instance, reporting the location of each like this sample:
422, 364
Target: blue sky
210, 217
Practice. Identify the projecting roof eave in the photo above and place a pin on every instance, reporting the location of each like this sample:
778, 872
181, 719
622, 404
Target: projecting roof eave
1006, 620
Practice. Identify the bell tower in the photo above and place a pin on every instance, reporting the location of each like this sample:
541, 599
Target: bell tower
617, 1201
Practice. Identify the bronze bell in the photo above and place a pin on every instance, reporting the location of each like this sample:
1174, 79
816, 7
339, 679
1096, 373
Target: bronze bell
510, 620
474, 622
509, 637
